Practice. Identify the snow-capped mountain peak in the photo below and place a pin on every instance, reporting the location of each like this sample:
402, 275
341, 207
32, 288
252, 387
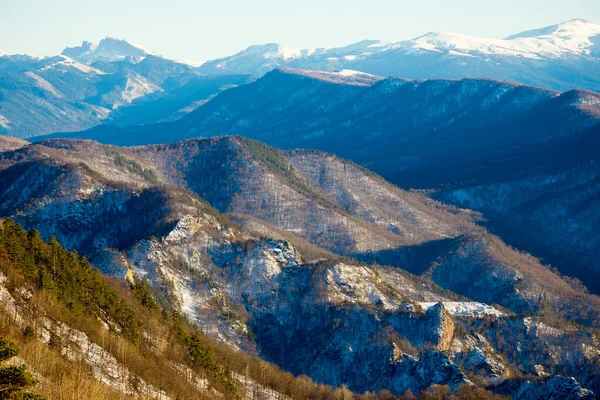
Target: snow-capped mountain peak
265, 57
574, 27
570, 39
269, 51
575, 37
109, 49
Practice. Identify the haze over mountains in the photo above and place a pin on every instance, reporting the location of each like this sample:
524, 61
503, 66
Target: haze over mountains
115, 82
92, 81
420, 224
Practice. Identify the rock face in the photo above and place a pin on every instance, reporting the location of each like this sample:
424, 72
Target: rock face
555, 387
305, 308
441, 339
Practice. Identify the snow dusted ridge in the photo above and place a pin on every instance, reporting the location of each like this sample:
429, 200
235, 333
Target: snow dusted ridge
109, 49
575, 38
345, 76
71, 63
466, 309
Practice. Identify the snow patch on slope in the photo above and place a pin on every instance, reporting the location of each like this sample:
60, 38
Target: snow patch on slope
69, 62
466, 309
4, 122
136, 87
44, 84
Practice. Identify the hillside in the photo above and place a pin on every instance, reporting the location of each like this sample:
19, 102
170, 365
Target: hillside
134, 213
106, 339
10, 143
457, 137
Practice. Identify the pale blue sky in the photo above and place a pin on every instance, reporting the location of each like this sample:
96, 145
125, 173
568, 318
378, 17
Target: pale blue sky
200, 30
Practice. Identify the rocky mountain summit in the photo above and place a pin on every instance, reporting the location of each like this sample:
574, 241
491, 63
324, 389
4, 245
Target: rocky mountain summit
109, 49
274, 278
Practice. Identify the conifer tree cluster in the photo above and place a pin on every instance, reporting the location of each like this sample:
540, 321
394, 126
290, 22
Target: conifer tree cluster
15, 380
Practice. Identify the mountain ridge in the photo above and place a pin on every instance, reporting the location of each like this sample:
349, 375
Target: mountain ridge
550, 51
418, 134
136, 211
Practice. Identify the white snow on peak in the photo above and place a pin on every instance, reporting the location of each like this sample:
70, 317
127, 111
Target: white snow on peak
572, 38
270, 51
575, 27
69, 62
265, 56
362, 47
575, 37
2, 53
351, 51
351, 72
109, 49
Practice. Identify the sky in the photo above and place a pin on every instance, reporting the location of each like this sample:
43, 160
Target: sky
197, 30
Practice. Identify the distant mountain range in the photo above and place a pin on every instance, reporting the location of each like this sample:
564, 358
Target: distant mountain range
117, 82
559, 57
114, 82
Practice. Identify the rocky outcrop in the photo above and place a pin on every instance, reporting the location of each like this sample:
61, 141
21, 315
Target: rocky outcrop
475, 354
441, 336
553, 388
